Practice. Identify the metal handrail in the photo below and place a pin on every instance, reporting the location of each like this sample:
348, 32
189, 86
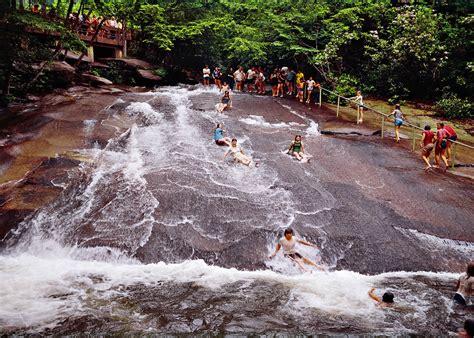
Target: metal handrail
380, 113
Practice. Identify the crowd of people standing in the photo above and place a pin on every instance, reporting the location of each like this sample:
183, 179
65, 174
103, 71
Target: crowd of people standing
282, 80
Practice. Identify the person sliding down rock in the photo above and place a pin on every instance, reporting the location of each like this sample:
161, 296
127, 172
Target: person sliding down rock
219, 137
296, 149
238, 154
288, 243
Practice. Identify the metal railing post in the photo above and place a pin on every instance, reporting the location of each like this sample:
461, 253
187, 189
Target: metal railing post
320, 96
453, 159
383, 125
407, 124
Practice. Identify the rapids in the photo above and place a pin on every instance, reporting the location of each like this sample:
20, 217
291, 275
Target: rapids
157, 234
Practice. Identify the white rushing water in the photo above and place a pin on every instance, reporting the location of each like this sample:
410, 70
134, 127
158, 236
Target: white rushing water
78, 255
38, 289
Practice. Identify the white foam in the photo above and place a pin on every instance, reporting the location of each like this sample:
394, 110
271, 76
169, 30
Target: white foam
313, 129
256, 120
38, 290
145, 110
440, 244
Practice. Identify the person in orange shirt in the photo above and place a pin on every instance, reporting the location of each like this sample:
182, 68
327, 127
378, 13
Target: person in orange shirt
300, 90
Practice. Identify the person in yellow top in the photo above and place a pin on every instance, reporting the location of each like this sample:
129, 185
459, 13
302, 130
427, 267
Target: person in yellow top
299, 76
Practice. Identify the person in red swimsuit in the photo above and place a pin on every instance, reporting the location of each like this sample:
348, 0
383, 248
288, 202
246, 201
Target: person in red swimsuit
452, 136
427, 145
441, 145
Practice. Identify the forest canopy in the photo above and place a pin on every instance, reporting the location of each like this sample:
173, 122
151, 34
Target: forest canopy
390, 49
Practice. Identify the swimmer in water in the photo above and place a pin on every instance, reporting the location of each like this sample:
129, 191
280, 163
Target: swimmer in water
288, 243
468, 331
296, 149
219, 137
238, 153
387, 298
465, 286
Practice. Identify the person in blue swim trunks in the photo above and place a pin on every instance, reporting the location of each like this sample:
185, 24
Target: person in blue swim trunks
219, 137
398, 122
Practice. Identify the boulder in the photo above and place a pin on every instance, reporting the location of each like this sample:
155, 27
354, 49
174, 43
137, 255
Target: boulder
134, 63
95, 80
148, 75
62, 70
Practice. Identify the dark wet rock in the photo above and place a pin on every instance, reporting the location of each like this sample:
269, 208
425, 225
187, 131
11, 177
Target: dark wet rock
95, 80
135, 63
33, 98
62, 69
8, 218
148, 75
71, 56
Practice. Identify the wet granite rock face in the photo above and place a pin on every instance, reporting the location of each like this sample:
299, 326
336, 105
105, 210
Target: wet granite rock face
95, 80
61, 72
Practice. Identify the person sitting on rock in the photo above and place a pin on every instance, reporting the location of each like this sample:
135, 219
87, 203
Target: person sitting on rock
296, 149
238, 154
225, 102
219, 137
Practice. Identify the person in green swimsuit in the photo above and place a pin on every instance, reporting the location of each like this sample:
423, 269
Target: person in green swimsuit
296, 149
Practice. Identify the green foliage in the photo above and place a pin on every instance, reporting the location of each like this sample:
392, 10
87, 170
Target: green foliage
162, 72
25, 52
454, 107
394, 51
346, 86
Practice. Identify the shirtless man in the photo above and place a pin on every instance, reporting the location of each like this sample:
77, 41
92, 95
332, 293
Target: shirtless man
288, 243
465, 286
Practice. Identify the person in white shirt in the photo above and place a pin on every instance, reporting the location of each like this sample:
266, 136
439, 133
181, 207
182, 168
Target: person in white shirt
251, 75
239, 77
206, 74
238, 153
309, 89
360, 105
288, 243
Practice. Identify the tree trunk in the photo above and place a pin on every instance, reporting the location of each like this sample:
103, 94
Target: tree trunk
94, 37
69, 11
43, 7
6, 83
40, 71
21, 5
80, 7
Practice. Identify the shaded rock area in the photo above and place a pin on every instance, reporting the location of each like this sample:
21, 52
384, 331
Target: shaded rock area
95, 80
38, 143
134, 70
134, 63
62, 69
148, 75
